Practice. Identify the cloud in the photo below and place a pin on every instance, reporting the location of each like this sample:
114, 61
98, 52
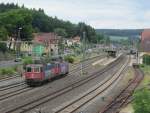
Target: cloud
97, 13
146, 15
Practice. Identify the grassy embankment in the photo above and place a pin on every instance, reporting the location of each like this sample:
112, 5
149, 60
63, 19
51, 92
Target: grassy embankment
13, 70
145, 83
8, 71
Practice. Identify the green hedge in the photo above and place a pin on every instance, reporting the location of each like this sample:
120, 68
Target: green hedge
146, 59
7, 71
70, 58
26, 61
141, 102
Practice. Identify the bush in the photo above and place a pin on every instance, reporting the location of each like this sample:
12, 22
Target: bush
26, 61
146, 59
7, 71
70, 59
15, 68
3, 47
141, 102
142, 65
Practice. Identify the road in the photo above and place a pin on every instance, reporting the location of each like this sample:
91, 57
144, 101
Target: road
9, 63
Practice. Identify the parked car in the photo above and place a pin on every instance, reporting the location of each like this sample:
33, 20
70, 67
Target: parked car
18, 59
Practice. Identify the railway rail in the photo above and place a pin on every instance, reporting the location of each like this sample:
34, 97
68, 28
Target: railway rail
86, 63
25, 88
10, 91
85, 98
2, 88
9, 77
124, 97
22, 108
14, 93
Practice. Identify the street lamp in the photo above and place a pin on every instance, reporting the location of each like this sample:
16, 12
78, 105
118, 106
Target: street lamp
18, 41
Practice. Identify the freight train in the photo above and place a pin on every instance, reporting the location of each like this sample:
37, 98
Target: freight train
37, 73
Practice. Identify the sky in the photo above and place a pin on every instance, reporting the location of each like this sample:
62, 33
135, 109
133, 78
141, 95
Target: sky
100, 14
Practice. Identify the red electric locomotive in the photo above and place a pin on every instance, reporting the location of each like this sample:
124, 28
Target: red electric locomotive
38, 73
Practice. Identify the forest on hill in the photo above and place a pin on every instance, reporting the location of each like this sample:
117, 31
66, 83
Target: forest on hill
120, 32
13, 17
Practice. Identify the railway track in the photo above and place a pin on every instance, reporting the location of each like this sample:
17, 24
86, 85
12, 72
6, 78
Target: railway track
79, 63
22, 108
10, 91
14, 93
22, 87
124, 97
93, 93
7, 87
9, 77
85, 64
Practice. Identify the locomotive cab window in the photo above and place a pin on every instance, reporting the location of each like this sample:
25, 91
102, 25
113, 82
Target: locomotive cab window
28, 69
36, 69
41, 69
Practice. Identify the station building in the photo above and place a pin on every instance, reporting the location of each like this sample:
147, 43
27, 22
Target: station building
145, 41
145, 44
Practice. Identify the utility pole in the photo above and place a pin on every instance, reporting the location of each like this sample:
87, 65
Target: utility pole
138, 51
60, 46
18, 42
83, 50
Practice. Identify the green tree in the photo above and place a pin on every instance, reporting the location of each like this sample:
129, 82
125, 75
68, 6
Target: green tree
8, 6
146, 59
14, 19
91, 35
107, 40
3, 34
3, 37
60, 32
141, 101
42, 21
97, 38
3, 47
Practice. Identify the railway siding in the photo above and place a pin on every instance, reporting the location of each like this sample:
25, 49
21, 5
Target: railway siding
80, 100
124, 97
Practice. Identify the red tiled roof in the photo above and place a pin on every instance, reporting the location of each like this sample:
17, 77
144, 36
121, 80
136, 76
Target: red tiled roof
76, 38
46, 38
145, 34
